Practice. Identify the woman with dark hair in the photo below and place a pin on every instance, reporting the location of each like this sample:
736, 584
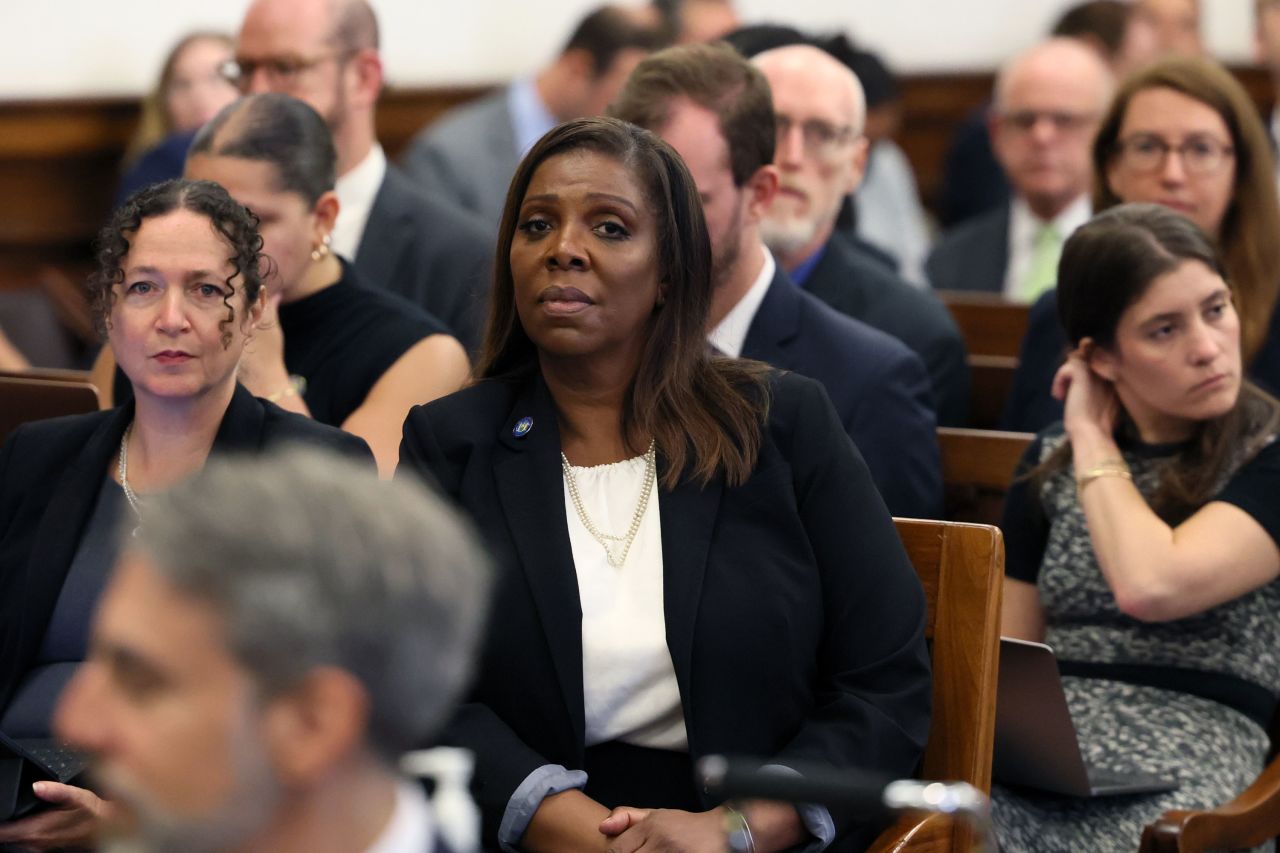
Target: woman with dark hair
329, 347
696, 560
1185, 134
179, 295
1142, 544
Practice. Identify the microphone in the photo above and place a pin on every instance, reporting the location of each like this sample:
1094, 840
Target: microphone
865, 795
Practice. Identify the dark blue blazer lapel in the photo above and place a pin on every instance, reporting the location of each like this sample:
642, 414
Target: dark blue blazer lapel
688, 516
530, 487
777, 322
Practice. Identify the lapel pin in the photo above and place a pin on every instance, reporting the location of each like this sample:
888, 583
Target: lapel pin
522, 427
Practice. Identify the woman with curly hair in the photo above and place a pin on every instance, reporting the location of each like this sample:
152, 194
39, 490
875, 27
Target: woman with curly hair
178, 292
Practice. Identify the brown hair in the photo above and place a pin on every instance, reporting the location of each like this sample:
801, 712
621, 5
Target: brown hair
608, 31
154, 122
717, 78
1248, 239
1106, 266
704, 414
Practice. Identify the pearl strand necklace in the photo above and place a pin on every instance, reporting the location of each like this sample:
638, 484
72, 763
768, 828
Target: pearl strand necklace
122, 468
608, 540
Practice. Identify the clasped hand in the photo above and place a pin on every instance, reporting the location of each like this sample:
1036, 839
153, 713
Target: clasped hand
671, 830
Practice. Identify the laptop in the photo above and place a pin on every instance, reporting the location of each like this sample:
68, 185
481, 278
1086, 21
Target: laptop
1036, 744
24, 762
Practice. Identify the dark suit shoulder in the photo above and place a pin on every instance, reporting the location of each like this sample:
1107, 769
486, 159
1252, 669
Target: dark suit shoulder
51, 442
399, 194
980, 241
459, 126
829, 333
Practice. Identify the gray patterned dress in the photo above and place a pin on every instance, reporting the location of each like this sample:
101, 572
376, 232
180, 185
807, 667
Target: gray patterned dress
1212, 748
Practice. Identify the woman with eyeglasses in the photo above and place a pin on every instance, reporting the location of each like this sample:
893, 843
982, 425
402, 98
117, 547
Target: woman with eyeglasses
1141, 542
1182, 133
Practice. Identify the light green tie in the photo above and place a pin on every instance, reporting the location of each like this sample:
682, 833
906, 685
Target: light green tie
1043, 270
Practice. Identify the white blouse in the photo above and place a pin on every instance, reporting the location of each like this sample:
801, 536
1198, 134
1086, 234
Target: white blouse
629, 683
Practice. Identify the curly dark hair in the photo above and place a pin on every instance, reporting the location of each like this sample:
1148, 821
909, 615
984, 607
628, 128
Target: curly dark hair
237, 225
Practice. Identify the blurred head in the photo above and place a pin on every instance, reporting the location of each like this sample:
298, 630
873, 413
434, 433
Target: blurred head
323, 52
192, 86
714, 108
1174, 26
701, 21
340, 641
274, 154
178, 287
1143, 289
821, 152
1109, 27
1267, 34
596, 60
1047, 105
605, 209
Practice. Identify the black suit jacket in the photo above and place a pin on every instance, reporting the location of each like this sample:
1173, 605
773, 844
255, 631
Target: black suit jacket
793, 618
50, 475
972, 256
429, 252
862, 288
879, 387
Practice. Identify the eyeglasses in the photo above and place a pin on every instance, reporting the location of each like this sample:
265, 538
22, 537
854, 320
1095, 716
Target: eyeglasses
280, 70
1062, 121
1200, 155
821, 140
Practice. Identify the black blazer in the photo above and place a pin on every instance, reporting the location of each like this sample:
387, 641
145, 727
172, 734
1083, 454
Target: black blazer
862, 288
50, 475
972, 256
434, 254
794, 619
880, 389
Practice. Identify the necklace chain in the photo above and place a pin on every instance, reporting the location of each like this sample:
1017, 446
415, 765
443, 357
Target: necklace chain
123, 470
607, 540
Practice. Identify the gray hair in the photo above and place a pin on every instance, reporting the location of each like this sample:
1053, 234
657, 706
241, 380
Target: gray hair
313, 561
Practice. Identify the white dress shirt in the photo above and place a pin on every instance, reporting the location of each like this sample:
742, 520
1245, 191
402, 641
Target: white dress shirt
530, 118
730, 334
1023, 228
410, 829
356, 191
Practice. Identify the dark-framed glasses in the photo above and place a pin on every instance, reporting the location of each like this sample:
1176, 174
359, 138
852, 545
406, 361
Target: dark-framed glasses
1062, 121
280, 70
1200, 155
822, 140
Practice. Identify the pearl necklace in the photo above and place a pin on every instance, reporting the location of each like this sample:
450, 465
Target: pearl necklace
123, 470
607, 540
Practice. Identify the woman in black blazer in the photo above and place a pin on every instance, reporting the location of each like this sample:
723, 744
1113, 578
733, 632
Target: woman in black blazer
179, 294
696, 560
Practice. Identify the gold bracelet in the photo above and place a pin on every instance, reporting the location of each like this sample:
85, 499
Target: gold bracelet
1107, 469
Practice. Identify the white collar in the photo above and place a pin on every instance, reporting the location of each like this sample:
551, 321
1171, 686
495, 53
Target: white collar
730, 334
410, 828
356, 191
1023, 228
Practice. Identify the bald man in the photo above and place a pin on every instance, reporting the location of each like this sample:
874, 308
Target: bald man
1048, 102
325, 52
820, 156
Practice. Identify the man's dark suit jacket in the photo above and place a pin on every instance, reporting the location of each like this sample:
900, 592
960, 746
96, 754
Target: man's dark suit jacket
428, 252
50, 475
879, 387
863, 289
972, 256
793, 618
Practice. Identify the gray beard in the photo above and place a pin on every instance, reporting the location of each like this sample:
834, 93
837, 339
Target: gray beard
786, 237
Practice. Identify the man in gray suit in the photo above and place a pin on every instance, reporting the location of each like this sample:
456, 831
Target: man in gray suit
469, 155
325, 52
1048, 103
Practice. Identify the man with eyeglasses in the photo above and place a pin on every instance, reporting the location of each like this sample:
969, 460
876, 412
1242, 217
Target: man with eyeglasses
325, 52
713, 107
1048, 103
1267, 47
821, 155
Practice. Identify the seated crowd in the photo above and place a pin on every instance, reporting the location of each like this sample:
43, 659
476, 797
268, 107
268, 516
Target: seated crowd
608, 395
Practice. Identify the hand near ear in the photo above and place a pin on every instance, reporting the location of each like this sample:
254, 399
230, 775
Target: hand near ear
1090, 401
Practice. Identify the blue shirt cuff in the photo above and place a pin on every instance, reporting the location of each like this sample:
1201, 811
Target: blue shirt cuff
541, 783
816, 819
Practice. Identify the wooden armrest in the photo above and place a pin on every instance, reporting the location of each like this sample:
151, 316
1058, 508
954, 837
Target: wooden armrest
915, 833
1247, 821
